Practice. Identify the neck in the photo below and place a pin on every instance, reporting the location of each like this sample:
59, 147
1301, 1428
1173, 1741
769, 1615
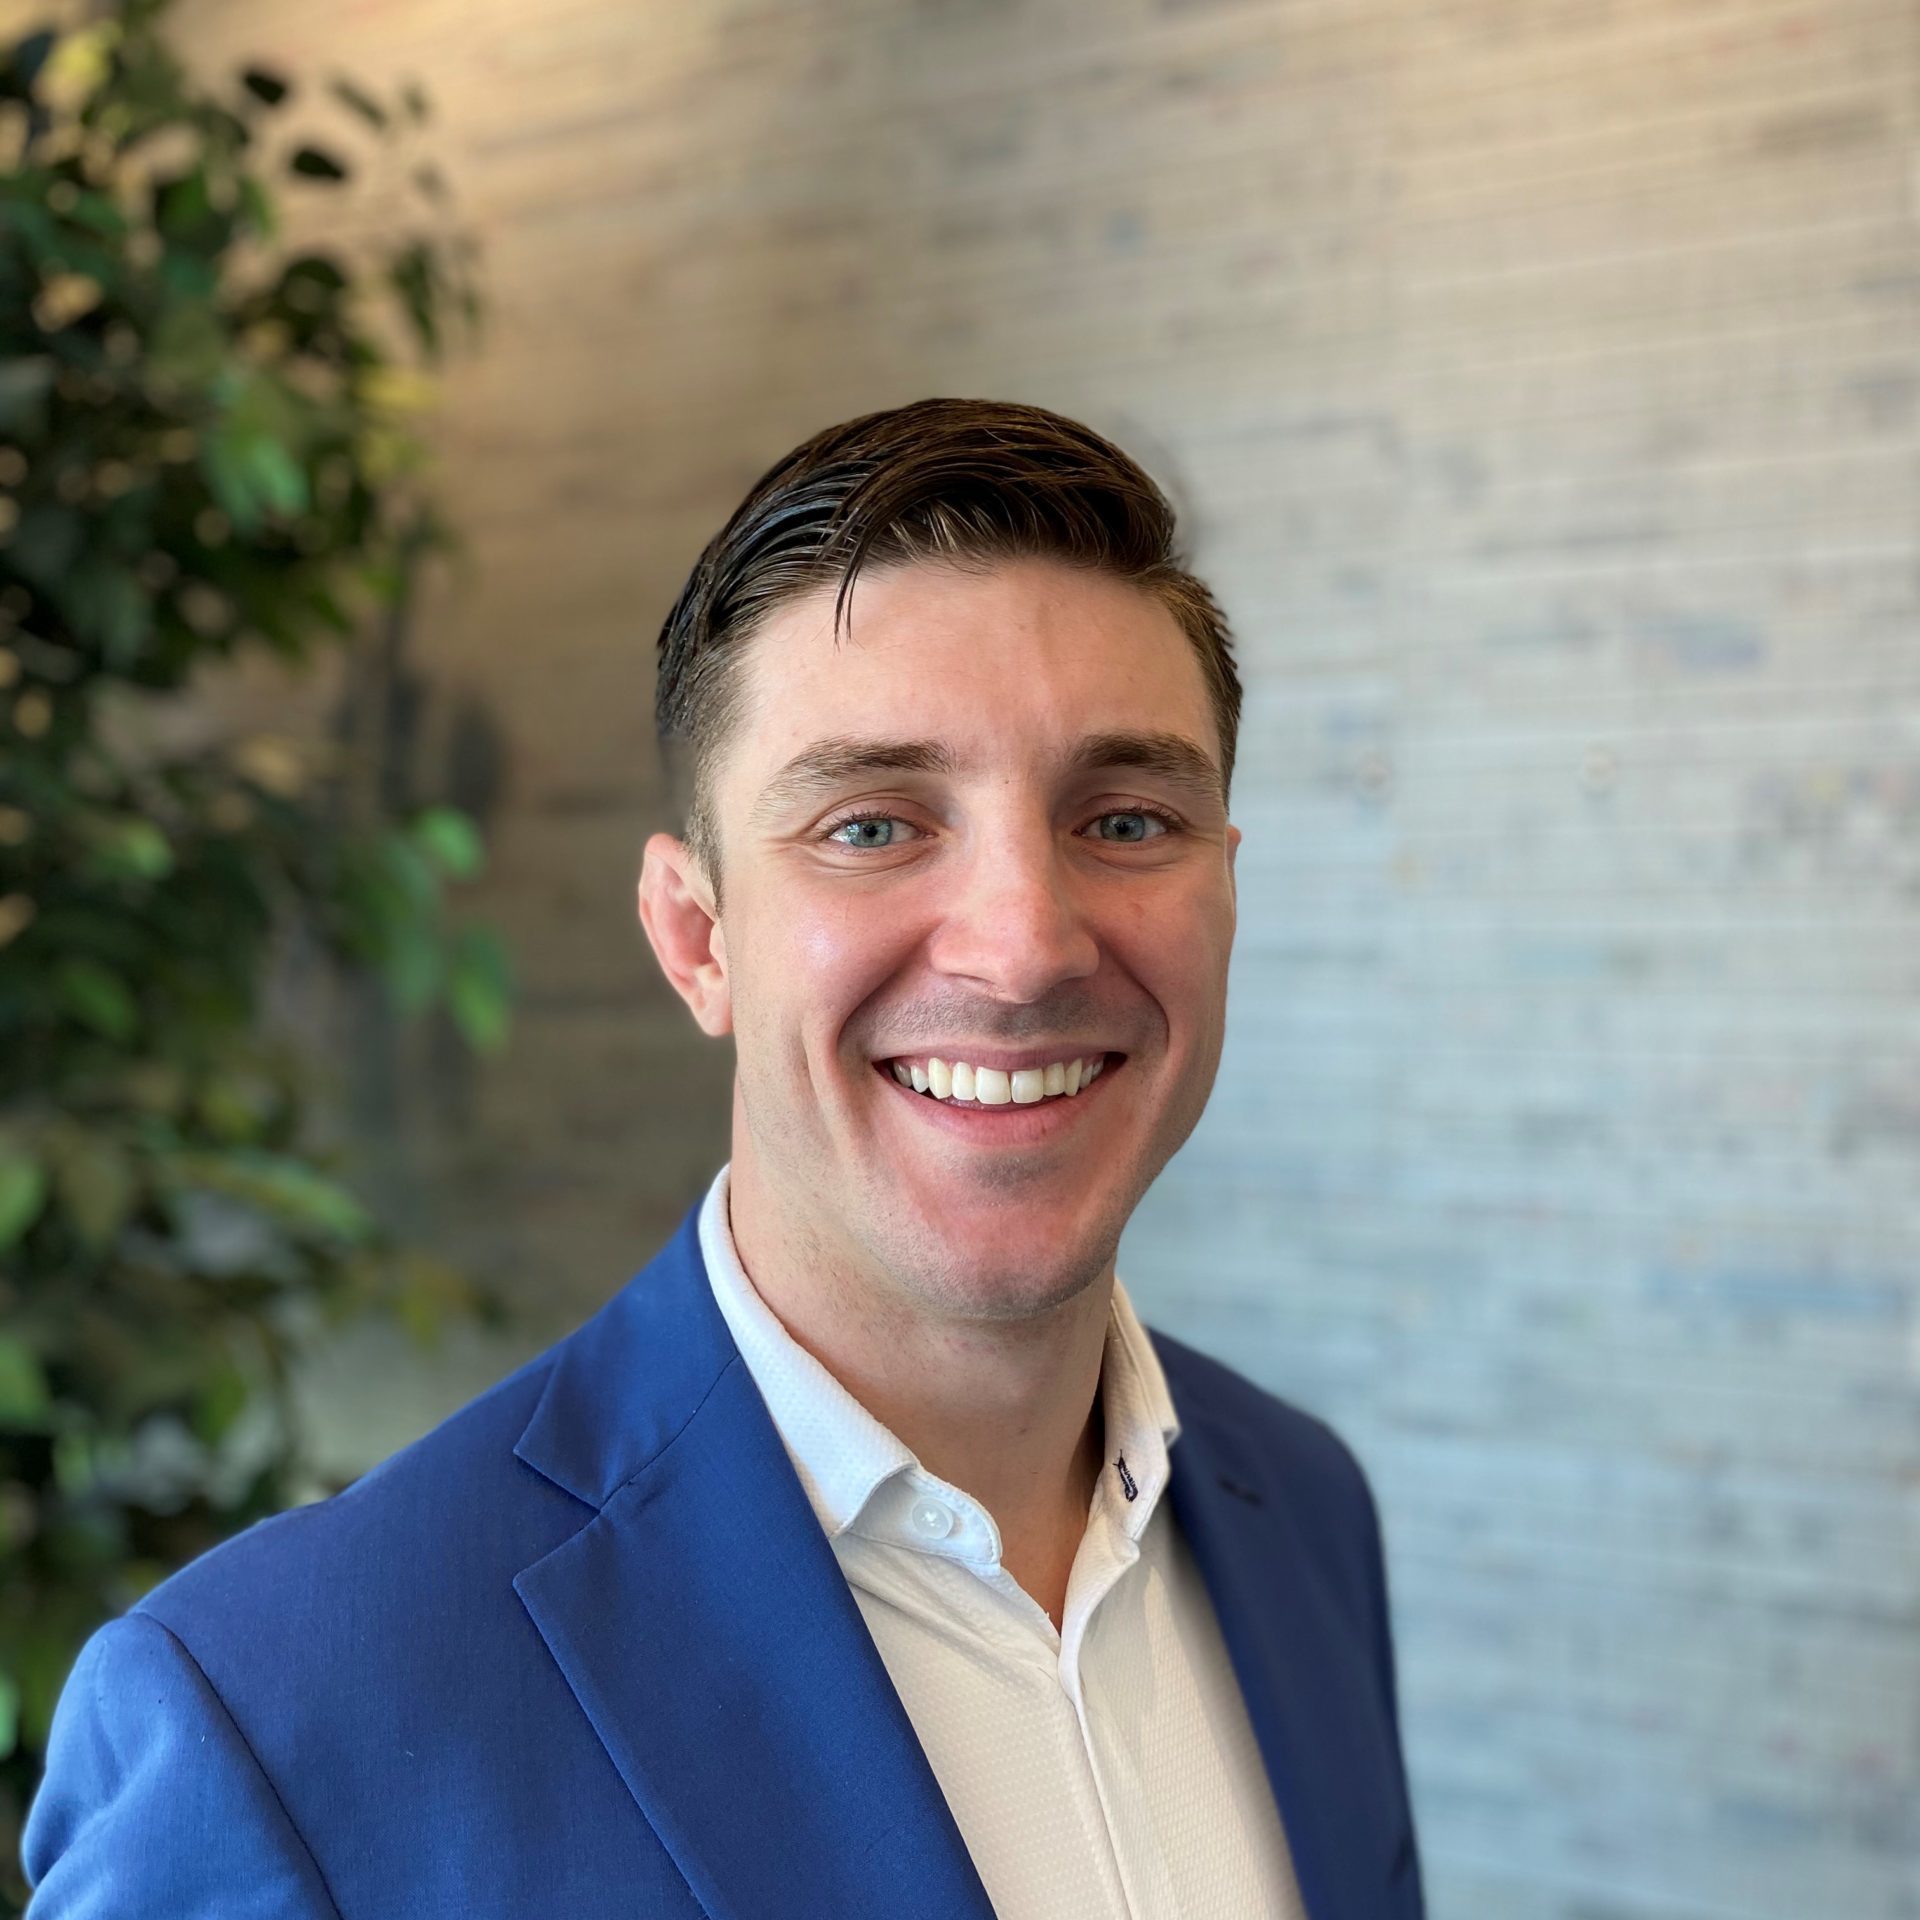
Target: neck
1007, 1411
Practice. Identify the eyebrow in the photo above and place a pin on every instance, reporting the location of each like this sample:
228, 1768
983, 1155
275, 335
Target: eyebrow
1171, 755
829, 763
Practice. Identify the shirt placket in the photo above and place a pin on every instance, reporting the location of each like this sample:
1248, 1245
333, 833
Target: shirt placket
1133, 1835
989, 1606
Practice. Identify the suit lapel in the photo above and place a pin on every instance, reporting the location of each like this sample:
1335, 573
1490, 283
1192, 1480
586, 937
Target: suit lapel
1303, 1672
707, 1631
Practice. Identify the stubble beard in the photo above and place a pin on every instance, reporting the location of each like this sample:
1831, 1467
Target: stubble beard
878, 1238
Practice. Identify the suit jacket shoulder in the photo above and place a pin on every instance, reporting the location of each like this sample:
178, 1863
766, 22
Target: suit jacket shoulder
356, 1692
1325, 1486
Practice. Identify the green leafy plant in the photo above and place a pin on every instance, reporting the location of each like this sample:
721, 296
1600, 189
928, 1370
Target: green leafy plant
207, 455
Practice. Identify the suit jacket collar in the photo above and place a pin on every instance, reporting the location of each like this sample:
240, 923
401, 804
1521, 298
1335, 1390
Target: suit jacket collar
709, 1635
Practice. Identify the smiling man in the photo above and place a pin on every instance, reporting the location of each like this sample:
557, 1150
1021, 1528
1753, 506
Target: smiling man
865, 1556
974, 961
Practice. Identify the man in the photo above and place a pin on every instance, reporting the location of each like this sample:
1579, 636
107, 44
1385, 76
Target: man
863, 1556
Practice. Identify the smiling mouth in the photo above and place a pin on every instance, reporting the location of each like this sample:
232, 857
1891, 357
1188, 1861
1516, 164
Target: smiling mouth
960, 1083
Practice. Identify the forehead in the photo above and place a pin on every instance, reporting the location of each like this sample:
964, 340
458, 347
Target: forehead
1006, 666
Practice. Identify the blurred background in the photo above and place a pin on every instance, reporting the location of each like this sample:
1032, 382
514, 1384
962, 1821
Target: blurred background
1540, 384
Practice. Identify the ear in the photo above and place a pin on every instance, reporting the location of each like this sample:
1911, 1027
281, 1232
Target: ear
683, 928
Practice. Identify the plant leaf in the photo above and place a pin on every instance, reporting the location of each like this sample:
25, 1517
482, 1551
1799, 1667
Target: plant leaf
451, 840
350, 94
292, 1190
97, 998
23, 1192
249, 456
105, 604
412, 965
98, 214
414, 275
261, 211
25, 59
312, 164
219, 1403
265, 85
97, 1184
124, 846
480, 989
24, 1399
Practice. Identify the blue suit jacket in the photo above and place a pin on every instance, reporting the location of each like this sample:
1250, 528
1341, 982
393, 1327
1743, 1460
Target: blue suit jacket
585, 1651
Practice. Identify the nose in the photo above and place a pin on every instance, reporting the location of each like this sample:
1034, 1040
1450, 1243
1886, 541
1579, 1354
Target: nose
1012, 923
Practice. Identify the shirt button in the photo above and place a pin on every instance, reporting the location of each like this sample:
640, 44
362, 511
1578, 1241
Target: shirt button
931, 1519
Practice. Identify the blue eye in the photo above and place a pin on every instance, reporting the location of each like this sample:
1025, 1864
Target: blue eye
872, 831
1134, 826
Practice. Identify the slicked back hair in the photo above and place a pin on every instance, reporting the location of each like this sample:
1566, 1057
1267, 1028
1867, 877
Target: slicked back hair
964, 483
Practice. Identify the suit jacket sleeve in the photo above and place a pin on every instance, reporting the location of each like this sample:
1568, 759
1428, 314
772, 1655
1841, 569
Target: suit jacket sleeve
153, 1803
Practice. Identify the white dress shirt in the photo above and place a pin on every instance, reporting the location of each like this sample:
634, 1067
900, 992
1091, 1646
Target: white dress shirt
1106, 1771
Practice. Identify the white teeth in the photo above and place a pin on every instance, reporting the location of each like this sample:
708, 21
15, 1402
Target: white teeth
998, 1086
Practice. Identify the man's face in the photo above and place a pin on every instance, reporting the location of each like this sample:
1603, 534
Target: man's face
986, 827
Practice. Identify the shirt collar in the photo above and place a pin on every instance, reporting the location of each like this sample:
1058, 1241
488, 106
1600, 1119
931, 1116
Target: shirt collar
860, 1476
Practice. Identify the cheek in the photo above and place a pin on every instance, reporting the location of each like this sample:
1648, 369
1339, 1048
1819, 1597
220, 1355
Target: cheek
827, 954
1176, 945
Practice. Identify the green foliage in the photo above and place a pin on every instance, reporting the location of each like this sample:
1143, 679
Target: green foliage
205, 454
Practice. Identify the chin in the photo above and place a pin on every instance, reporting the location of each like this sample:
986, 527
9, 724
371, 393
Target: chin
1024, 1293
996, 1261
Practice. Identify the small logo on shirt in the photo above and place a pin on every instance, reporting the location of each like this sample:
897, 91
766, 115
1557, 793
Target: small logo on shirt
1126, 1479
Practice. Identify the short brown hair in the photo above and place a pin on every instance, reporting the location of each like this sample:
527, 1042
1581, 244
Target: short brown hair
957, 482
